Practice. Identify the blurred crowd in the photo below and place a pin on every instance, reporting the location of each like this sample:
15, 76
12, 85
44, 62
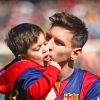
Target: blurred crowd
13, 12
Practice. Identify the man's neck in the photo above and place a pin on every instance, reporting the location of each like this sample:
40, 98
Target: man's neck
66, 71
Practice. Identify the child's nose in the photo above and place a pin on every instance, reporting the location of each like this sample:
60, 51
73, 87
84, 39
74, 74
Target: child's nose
48, 47
45, 49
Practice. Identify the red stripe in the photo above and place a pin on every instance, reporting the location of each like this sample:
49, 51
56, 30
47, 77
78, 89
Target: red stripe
88, 80
62, 87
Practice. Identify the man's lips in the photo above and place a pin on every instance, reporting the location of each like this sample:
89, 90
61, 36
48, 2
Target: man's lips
47, 58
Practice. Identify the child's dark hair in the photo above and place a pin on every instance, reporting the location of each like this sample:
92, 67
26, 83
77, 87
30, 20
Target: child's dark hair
72, 23
22, 36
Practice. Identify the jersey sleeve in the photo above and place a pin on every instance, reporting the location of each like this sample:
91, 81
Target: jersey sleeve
94, 91
43, 85
37, 83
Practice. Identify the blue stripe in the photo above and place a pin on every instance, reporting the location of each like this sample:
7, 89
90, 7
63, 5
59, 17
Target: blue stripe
28, 78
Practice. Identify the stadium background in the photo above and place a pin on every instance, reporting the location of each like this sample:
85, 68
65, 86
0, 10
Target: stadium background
13, 12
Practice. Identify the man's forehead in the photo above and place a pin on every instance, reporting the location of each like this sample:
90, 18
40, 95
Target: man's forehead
60, 34
59, 31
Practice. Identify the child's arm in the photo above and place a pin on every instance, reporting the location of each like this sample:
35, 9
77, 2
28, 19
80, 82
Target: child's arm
42, 86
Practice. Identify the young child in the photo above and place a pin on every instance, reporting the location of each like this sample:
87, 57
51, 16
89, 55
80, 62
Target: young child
25, 78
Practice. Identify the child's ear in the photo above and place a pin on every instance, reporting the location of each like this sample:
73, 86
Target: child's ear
76, 53
21, 56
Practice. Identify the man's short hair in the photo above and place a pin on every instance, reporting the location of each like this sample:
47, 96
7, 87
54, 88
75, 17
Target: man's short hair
72, 23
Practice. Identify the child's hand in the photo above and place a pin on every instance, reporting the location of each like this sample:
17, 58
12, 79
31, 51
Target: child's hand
55, 64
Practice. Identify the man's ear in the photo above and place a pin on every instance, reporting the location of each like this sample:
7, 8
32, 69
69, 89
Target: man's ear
76, 53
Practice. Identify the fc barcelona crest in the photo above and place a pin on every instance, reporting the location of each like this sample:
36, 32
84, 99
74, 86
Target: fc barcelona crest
69, 96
